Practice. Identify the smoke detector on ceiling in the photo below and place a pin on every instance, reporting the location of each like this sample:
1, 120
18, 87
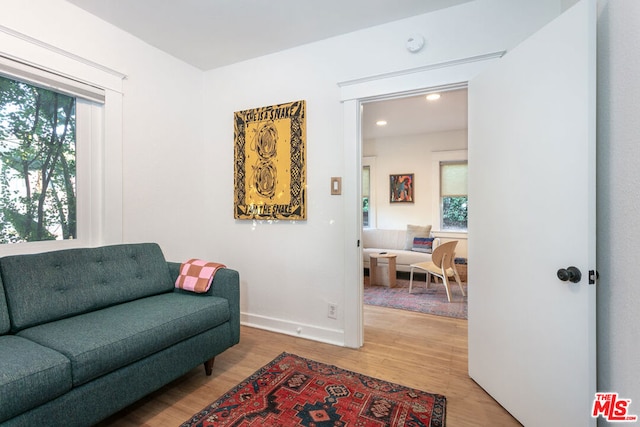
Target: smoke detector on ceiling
415, 43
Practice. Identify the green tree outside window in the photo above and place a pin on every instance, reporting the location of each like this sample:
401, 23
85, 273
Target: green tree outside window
37, 163
454, 213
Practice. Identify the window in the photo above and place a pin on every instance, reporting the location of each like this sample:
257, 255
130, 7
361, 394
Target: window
453, 196
37, 163
98, 93
366, 191
55, 167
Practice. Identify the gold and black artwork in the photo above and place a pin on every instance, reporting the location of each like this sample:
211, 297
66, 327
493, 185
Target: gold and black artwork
270, 178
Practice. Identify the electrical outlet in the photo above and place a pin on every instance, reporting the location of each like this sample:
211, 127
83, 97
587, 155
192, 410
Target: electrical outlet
332, 312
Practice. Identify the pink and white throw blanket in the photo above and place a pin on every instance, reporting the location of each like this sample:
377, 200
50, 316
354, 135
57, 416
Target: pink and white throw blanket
196, 275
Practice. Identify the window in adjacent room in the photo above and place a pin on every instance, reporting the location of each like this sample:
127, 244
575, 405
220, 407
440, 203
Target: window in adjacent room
366, 191
453, 196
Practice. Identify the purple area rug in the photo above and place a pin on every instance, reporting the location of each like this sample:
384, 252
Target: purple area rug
429, 301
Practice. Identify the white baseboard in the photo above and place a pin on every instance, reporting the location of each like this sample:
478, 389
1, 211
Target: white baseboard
314, 333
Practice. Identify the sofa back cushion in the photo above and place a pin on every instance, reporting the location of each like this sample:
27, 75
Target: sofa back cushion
423, 244
49, 286
383, 239
4, 313
414, 231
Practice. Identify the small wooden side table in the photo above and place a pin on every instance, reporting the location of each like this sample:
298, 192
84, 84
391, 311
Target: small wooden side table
389, 279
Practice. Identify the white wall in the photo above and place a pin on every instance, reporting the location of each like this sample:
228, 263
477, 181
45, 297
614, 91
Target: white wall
289, 271
619, 199
178, 141
409, 154
412, 154
162, 133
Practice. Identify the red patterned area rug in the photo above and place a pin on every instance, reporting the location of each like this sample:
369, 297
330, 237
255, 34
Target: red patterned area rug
423, 300
294, 391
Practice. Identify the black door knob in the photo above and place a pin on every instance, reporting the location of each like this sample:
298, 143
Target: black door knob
569, 274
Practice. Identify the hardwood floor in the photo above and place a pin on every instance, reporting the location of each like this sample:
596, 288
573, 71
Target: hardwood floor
416, 350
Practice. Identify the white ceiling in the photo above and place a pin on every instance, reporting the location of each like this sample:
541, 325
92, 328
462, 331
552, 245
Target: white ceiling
415, 115
214, 33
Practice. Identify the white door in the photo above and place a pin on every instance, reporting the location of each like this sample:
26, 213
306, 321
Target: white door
532, 213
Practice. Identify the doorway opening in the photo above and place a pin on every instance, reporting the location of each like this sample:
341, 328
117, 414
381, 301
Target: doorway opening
353, 94
422, 136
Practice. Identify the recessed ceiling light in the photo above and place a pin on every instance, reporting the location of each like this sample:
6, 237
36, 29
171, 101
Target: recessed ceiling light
381, 122
433, 96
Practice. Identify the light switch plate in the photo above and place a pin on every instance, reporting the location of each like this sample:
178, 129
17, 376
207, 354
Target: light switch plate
336, 185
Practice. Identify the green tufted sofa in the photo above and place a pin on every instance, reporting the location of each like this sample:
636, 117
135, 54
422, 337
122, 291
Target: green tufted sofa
86, 332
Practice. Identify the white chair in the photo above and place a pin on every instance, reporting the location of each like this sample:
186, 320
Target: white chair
441, 265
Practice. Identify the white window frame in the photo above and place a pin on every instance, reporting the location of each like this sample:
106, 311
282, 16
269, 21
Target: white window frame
439, 157
98, 139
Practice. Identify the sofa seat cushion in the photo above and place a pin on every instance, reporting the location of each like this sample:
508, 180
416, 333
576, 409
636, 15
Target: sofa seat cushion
30, 375
402, 257
102, 341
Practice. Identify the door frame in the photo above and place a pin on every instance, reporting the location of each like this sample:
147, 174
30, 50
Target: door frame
353, 93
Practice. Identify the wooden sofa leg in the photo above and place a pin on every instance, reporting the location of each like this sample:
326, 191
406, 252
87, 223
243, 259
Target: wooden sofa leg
208, 366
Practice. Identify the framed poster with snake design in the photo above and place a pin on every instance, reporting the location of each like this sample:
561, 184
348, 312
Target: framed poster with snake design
270, 173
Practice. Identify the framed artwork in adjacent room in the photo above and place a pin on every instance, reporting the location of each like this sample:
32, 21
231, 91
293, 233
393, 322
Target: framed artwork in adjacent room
401, 188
